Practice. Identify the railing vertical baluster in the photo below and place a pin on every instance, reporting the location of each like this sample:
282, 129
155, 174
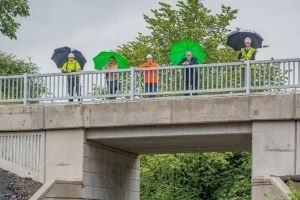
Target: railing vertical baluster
132, 78
248, 77
25, 76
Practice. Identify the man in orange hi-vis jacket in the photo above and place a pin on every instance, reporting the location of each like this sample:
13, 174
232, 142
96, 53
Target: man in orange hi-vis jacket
150, 76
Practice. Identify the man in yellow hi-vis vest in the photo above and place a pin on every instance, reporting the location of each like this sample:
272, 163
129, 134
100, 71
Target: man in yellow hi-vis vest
73, 80
247, 53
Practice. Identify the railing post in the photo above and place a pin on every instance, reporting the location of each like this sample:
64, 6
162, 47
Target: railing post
25, 95
248, 77
132, 81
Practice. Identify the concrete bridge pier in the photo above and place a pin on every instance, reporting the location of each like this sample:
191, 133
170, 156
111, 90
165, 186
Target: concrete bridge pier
110, 174
81, 169
275, 151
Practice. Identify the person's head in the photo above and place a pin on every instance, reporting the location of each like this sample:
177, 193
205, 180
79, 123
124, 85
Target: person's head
149, 58
247, 42
112, 60
188, 55
71, 56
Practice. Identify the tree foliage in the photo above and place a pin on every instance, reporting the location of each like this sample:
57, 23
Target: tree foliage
9, 11
11, 65
208, 176
189, 20
12, 88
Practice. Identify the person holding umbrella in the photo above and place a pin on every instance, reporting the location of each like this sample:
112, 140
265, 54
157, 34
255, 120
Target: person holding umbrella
247, 52
112, 77
190, 75
245, 41
73, 80
185, 53
111, 60
150, 76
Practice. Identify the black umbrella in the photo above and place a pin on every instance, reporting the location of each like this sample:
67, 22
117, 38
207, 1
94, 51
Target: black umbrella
60, 56
236, 39
80, 58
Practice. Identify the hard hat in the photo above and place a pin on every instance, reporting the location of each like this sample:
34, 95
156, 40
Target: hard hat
247, 39
71, 55
149, 56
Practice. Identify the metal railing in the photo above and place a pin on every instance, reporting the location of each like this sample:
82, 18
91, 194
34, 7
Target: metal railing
134, 83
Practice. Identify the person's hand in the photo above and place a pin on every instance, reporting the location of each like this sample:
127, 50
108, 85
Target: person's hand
185, 63
242, 59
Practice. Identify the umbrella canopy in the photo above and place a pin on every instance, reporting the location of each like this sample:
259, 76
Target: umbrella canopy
102, 59
236, 39
60, 56
179, 49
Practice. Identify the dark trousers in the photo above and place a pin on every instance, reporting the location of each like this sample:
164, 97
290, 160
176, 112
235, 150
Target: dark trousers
73, 83
112, 88
150, 87
190, 80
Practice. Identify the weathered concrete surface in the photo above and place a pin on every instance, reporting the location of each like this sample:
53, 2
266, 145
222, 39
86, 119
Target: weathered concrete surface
176, 138
273, 148
59, 190
155, 112
298, 148
21, 118
110, 173
269, 188
64, 155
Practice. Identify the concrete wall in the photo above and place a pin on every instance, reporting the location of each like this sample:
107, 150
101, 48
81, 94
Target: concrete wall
275, 151
64, 155
274, 148
23, 153
58, 190
269, 188
156, 112
110, 174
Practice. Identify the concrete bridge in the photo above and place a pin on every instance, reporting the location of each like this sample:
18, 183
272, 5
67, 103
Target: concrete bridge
91, 150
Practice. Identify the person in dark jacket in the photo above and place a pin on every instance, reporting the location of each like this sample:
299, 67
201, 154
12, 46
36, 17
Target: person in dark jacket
190, 75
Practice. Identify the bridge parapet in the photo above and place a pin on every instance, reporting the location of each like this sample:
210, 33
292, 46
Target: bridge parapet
154, 112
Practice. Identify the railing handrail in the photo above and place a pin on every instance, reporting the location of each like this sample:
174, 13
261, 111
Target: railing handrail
231, 77
153, 68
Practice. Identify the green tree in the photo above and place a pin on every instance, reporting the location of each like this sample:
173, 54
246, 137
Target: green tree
189, 20
12, 88
209, 176
11, 65
9, 11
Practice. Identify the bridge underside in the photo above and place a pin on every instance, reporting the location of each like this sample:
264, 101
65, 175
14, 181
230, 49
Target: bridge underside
175, 138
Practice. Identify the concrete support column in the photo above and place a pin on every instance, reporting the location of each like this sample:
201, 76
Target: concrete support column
64, 155
275, 148
110, 173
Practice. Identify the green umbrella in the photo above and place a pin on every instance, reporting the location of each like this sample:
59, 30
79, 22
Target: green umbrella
102, 59
179, 49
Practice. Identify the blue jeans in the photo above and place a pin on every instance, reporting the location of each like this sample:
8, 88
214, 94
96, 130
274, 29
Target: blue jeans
150, 87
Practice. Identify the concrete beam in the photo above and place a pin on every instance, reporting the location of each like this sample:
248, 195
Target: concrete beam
21, 118
175, 138
153, 112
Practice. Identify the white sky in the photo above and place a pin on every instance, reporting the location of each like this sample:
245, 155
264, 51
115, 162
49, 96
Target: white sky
95, 25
